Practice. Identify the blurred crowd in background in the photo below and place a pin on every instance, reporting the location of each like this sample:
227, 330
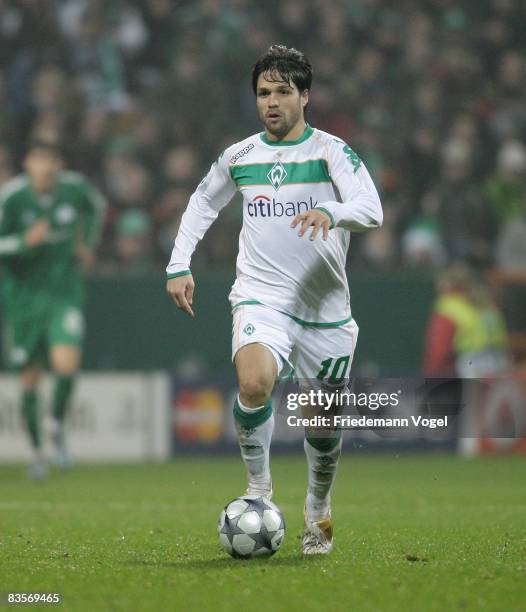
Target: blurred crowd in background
146, 94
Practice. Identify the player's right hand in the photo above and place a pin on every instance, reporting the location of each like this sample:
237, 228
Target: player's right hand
37, 233
181, 290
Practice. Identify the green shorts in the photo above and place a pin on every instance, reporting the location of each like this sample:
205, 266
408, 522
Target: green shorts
29, 338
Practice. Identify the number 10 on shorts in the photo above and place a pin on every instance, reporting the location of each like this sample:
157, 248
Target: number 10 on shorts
338, 368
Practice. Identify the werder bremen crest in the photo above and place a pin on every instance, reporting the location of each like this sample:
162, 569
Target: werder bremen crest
277, 174
249, 329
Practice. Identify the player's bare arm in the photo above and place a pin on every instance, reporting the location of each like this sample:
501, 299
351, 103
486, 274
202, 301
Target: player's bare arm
318, 219
181, 290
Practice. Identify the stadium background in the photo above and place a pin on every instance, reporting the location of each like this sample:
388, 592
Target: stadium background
144, 95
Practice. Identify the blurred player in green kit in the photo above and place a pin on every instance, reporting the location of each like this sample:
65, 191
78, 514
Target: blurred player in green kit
50, 222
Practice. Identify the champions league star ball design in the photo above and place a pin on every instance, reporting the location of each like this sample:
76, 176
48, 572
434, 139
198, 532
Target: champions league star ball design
251, 526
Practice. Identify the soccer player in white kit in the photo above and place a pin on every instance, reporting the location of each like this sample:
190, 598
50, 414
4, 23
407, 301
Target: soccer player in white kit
303, 192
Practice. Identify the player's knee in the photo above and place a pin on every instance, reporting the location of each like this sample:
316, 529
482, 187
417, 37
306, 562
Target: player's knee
255, 390
66, 368
29, 378
65, 360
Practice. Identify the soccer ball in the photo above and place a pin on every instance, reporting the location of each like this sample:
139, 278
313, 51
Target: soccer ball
251, 526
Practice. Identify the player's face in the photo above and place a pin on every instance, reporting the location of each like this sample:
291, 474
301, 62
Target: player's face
42, 166
280, 105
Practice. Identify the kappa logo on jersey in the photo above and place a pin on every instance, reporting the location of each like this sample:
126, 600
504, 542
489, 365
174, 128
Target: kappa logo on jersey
277, 174
262, 206
351, 155
241, 153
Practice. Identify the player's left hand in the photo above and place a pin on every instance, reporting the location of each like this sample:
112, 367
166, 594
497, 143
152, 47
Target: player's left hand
86, 256
317, 218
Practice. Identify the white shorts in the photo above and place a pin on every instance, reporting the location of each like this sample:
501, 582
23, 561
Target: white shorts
323, 353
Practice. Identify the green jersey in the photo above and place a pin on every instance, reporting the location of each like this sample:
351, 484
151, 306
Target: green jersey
50, 271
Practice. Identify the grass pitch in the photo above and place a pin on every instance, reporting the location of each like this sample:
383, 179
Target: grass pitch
411, 533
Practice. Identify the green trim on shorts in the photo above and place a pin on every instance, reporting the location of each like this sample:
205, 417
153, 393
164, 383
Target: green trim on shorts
316, 324
176, 274
256, 419
296, 319
247, 303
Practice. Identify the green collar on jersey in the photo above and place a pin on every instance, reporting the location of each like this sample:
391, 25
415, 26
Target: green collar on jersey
288, 143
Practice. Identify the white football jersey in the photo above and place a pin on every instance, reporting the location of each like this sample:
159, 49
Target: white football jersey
299, 277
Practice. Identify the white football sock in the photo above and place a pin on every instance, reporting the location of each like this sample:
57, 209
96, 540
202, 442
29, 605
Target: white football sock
254, 428
322, 471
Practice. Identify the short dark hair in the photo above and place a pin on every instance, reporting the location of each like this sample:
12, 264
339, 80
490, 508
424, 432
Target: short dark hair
47, 143
290, 64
